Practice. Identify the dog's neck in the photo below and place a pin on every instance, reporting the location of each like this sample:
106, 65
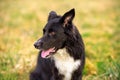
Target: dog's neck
65, 64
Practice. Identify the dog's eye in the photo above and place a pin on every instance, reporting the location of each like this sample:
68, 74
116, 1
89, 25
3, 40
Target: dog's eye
52, 33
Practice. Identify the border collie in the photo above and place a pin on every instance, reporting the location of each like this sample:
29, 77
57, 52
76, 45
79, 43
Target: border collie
62, 53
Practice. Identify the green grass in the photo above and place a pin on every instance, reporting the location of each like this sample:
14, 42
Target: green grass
21, 23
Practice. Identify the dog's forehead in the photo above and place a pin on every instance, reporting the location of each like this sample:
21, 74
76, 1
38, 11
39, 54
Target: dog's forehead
52, 23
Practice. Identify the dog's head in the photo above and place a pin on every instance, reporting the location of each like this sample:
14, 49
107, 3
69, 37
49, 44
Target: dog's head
55, 33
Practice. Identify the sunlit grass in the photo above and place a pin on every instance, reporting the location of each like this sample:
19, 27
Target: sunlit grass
21, 23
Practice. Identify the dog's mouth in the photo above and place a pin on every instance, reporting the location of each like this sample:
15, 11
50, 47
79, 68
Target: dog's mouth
47, 53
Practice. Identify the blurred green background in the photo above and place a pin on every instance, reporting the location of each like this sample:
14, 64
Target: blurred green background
21, 23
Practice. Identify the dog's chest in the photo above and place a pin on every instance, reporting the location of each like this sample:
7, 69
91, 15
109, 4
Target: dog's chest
65, 63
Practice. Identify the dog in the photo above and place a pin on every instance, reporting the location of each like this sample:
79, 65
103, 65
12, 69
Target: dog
62, 52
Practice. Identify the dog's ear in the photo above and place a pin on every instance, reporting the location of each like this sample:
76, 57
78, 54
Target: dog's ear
68, 17
52, 15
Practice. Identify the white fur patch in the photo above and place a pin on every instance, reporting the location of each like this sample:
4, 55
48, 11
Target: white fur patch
65, 63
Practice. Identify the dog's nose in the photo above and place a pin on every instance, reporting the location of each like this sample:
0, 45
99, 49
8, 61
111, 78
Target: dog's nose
38, 44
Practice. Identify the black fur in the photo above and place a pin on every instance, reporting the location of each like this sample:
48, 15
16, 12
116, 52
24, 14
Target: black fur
60, 33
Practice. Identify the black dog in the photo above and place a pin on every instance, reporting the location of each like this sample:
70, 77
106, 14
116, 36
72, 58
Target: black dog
62, 54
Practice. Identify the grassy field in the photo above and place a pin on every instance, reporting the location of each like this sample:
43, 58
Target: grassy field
21, 23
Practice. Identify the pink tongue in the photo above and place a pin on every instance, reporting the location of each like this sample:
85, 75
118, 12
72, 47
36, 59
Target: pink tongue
47, 52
